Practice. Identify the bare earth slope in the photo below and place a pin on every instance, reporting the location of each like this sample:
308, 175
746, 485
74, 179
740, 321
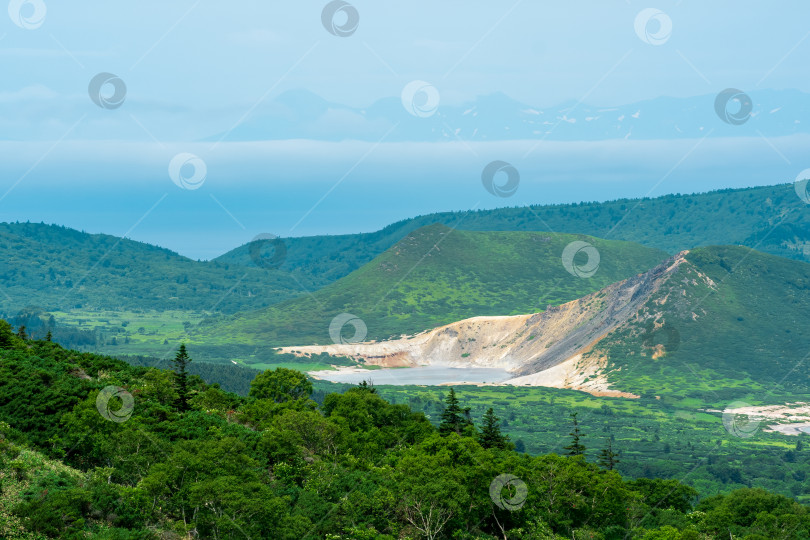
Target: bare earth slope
542, 349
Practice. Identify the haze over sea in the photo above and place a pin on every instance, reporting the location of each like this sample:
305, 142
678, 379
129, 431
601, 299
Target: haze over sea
277, 186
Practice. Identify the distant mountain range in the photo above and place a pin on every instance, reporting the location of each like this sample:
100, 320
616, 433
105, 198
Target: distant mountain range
301, 114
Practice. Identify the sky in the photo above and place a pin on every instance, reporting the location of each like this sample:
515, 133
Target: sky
195, 71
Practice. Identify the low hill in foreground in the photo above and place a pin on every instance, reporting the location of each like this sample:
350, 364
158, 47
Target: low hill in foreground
437, 275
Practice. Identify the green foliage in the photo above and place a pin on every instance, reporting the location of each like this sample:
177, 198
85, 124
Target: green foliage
454, 418
277, 465
607, 457
491, 436
280, 385
575, 448
726, 324
671, 223
47, 266
181, 361
435, 276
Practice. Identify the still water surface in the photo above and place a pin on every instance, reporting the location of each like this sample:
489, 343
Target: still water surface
426, 375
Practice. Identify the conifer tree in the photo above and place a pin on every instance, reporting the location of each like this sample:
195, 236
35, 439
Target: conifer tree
454, 418
576, 448
21, 333
491, 436
365, 385
181, 361
49, 336
607, 457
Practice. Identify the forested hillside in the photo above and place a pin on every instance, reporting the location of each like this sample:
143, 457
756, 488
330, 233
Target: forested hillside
58, 269
91, 447
730, 318
437, 275
772, 219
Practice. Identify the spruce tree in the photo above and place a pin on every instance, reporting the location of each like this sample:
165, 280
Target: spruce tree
576, 448
607, 457
49, 336
369, 387
491, 436
453, 417
181, 361
21, 333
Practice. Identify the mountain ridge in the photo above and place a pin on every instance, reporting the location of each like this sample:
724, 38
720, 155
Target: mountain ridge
703, 314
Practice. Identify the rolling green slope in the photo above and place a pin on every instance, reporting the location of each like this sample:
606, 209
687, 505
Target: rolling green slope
769, 218
730, 321
437, 275
57, 268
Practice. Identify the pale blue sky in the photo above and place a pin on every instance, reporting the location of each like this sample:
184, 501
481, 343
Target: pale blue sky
195, 70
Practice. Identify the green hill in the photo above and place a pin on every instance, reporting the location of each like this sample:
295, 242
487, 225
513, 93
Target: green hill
730, 321
56, 268
769, 218
437, 275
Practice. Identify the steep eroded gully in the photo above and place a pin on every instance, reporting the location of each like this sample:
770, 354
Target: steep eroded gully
542, 349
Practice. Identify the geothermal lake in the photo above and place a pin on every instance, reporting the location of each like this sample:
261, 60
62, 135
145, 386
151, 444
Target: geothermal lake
425, 375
